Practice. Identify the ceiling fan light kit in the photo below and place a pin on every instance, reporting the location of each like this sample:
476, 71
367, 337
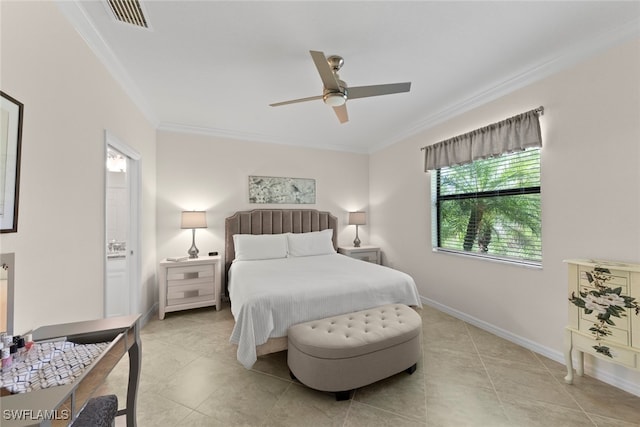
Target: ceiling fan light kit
335, 92
335, 99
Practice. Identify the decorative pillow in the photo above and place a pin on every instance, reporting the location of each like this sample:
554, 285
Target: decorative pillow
250, 247
313, 243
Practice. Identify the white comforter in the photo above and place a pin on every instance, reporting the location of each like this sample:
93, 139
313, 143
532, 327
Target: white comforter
268, 296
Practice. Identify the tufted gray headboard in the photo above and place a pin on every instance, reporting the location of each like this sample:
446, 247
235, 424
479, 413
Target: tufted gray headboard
274, 221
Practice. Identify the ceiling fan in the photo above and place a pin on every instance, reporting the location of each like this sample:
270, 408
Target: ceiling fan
336, 93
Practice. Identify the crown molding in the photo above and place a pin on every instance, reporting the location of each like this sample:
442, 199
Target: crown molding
77, 16
253, 137
79, 19
570, 57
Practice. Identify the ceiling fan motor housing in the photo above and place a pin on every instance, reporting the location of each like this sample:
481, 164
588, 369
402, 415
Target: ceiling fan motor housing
335, 62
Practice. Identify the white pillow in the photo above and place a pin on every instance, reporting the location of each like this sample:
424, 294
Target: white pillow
250, 247
309, 244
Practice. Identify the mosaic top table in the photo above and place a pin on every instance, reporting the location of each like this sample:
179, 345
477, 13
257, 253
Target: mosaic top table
60, 405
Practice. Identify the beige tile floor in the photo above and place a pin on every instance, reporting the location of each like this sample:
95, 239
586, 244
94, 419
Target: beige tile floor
467, 377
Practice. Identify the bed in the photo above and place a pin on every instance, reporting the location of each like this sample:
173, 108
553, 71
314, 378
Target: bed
282, 268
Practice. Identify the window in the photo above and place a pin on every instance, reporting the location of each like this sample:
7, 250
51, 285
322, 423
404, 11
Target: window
490, 207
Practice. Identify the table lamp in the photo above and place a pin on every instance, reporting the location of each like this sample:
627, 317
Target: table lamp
357, 218
193, 220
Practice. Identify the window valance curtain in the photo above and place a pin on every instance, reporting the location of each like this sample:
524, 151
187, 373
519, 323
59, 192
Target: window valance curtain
512, 134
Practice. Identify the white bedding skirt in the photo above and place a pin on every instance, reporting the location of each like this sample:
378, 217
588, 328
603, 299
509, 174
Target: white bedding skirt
269, 296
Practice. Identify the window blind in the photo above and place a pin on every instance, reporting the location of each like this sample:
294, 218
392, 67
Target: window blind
491, 207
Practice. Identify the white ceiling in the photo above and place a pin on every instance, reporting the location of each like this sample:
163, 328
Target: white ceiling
214, 67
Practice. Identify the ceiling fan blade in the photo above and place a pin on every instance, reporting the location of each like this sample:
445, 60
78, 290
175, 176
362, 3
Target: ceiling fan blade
341, 112
294, 101
326, 73
377, 90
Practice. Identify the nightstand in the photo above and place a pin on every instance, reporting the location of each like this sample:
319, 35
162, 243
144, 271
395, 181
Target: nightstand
191, 283
364, 252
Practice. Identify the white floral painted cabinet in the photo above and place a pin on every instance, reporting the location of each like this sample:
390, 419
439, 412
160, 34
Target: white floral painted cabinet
604, 318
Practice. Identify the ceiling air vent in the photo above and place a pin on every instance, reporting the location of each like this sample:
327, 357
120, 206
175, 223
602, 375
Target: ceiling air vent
129, 11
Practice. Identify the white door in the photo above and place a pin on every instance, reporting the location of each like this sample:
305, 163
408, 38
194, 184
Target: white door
122, 260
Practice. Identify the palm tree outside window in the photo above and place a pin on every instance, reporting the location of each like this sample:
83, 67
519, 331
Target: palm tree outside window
486, 190
491, 207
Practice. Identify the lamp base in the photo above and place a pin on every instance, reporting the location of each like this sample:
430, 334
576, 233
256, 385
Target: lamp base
356, 242
193, 251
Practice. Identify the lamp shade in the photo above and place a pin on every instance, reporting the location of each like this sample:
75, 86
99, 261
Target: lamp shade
194, 219
357, 218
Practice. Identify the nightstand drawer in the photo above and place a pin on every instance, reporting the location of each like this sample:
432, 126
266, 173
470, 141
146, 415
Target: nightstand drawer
188, 298
178, 275
190, 290
363, 253
369, 256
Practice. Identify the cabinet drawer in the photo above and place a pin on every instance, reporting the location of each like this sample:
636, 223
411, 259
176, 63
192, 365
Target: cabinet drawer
619, 279
620, 355
618, 335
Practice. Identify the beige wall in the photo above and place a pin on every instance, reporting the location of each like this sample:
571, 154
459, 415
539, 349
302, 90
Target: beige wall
203, 172
590, 200
69, 100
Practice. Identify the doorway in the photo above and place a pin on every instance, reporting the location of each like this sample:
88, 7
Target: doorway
122, 228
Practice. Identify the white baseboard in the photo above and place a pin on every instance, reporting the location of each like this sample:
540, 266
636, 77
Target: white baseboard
558, 356
147, 316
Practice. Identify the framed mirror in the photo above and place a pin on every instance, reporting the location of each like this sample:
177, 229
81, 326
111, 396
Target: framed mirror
10, 145
7, 272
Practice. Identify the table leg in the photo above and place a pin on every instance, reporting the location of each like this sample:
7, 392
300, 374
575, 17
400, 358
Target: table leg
134, 378
568, 344
580, 367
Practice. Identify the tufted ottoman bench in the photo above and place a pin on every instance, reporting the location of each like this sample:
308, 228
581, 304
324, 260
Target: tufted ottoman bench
341, 353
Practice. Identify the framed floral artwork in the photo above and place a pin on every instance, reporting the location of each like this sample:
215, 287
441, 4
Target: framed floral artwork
270, 189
